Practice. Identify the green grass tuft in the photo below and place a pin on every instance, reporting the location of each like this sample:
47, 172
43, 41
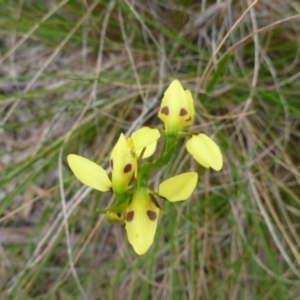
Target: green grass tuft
74, 74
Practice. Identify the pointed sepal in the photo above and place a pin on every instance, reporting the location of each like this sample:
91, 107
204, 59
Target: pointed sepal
89, 173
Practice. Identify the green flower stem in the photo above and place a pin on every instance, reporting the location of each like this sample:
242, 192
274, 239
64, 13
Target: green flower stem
148, 167
121, 198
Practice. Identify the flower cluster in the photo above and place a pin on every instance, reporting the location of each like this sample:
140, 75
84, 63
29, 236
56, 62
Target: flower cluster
136, 205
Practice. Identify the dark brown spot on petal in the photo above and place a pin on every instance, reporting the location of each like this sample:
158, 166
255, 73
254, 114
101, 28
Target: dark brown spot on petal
188, 119
127, 168
165, 110
152, 215
183, 112
129, 216
111, 164
119, 215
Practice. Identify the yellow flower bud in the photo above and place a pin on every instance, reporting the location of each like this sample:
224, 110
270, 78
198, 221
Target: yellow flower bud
177, 108
116, 213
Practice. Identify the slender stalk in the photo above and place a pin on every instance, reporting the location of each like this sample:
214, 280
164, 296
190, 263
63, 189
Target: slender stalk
147, 168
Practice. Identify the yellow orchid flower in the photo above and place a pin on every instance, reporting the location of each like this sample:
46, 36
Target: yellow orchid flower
142, 212
205, 151
141, 220
123, 161
178, 188
177, 108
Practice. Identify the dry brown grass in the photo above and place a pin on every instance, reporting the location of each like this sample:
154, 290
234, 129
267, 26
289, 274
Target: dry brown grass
76, 73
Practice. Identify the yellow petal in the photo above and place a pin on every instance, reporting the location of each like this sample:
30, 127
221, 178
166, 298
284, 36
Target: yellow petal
123, 162
191, 108
177, 108
141, 221
179, 187
89, 173
145, 137
205, 151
